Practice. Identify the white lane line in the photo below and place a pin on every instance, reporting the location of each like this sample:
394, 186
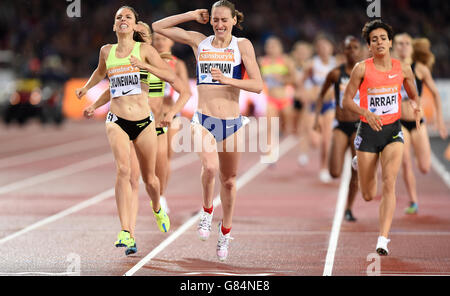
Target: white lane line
50, 152
227, 273
249, 175
176, 164
40, 273
338, 215
58, 173
440, 169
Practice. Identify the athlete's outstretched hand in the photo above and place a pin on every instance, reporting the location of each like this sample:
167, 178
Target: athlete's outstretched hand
217, 75
417, 112
80, 92
373, 120
201, 15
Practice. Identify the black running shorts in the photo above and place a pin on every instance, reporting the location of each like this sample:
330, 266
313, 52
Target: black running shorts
368, 140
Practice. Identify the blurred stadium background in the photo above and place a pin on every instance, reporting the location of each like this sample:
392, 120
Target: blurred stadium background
45, 54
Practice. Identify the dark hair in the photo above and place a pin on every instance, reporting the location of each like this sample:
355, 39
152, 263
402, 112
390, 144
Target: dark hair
136, 35
375, 24
234, 12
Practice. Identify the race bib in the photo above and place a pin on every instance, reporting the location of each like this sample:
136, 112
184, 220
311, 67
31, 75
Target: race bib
124, 81
383, 100
209, 59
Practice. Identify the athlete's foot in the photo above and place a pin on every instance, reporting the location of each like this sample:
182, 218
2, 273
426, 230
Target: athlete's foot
324, 176
349, 216
131, 247
222, 244
122, 239
355, 163
204, 225
162, 220
382, 249
412, 209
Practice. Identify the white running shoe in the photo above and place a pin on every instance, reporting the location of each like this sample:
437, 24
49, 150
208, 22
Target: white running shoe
164, 205
204, 226
355, 163
303, 160
222, 244
324, 176
382, 249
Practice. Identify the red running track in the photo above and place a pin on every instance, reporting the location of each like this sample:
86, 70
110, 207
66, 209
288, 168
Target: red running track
282, 224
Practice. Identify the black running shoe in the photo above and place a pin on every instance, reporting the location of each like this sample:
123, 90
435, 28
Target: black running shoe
349, 216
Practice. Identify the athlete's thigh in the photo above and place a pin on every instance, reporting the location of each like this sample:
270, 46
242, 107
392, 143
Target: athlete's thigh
407, 145
119, 142
367, 167
391, 159
229, 158
421, 144
339, 144
205, 145
146, 146
327, 119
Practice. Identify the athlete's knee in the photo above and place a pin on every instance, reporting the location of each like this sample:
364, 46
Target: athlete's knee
123, 171
150, 179
424, 167
335, 172
367, 195
210, 170
229, 182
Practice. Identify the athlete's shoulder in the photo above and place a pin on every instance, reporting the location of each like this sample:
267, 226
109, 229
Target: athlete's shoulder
105, 49
245, 46
359, 69
244, 42
335, 72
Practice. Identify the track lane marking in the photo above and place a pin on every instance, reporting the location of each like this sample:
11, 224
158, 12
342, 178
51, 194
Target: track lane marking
249, 175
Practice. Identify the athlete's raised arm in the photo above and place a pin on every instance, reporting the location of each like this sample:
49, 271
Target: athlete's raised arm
98, 74
255, 82
411, 90
167, 27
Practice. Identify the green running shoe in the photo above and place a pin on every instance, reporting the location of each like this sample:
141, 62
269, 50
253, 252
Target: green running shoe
412, 209
162, 220
122, 239
131, 247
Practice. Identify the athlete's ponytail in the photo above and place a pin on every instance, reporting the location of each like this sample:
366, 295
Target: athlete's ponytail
422, 52
234, 12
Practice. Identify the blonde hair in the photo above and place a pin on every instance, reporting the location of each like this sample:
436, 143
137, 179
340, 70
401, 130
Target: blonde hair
422, 52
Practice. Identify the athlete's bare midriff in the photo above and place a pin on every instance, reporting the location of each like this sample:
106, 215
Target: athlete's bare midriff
221, 101
134, 107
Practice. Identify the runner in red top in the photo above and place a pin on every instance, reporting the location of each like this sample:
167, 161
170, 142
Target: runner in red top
379, 135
